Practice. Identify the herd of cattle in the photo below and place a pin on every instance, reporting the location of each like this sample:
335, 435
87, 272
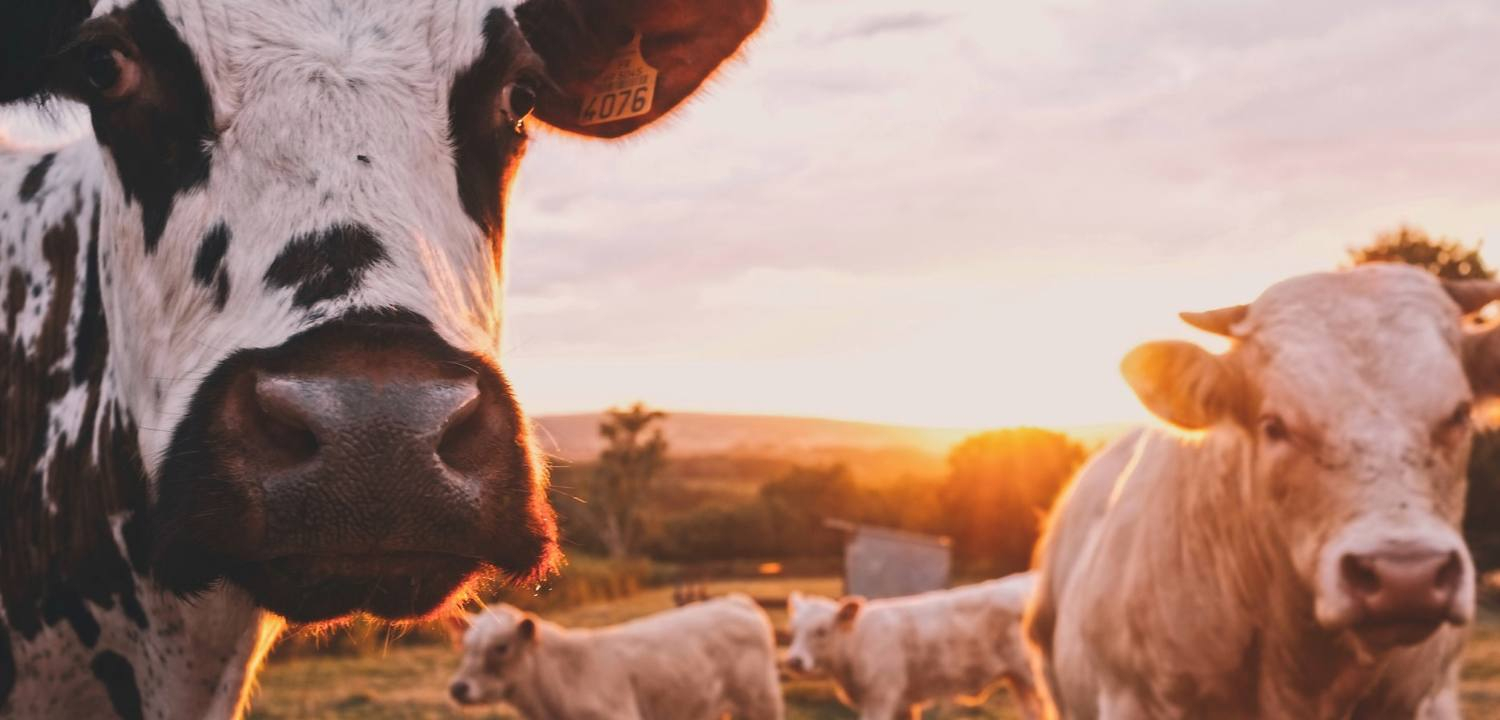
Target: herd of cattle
1290, 549
249, 332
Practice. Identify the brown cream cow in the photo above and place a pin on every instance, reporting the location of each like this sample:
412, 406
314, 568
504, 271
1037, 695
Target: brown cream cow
892, 657
701, 661
1296, 554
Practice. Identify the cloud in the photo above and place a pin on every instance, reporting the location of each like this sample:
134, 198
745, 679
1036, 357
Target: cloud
892, 23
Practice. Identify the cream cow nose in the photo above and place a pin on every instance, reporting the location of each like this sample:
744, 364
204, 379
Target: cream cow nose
1403, 587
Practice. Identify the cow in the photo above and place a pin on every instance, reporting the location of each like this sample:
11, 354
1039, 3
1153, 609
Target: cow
702, 660
1289, 546
891, 657
249, 326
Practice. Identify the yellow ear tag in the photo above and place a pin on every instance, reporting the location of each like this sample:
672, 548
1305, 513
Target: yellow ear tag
624, 90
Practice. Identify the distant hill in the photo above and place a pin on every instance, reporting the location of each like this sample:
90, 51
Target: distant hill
576, 437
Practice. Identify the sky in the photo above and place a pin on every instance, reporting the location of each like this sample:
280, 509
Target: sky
965, 213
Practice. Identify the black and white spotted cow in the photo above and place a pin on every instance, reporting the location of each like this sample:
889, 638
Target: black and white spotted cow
248, 329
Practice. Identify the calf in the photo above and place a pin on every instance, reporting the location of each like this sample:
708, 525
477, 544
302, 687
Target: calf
890, 657
249, 327
1297, 554
698, 661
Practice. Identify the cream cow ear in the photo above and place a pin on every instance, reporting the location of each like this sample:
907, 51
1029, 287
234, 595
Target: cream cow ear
1182, 383
849, 609
1481, 355
527, 630
457, 624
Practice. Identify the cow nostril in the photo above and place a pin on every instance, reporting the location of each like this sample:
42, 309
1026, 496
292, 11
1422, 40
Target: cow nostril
1360, 575
464, 442
281, 425
459, 691
1449, 574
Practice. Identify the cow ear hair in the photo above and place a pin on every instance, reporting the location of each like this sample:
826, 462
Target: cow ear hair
457, 623
849, 609
1481, 357
527, 630
1182, 383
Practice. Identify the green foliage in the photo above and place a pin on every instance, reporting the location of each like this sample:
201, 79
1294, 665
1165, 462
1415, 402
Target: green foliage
1000, 485
1451, 259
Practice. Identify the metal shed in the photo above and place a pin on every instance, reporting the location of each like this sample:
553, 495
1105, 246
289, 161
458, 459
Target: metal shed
882, 562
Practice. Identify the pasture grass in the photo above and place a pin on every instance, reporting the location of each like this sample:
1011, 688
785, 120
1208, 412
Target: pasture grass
410, 682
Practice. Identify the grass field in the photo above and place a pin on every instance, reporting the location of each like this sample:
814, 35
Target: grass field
409, 683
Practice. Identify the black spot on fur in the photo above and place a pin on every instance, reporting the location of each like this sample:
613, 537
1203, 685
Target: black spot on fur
160, 141
211, 254
118, 677
58, 564
208, 267
485, 152
325, 265
221, 290
37, 175
365, 159
88, 351
67, 604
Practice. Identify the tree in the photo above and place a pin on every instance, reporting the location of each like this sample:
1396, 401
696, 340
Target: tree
1443, 257
632, 457
1000, 485
1453, 260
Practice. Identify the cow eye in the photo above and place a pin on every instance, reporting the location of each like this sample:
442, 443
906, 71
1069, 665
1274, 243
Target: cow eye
518, 99
1274, 428
108, 72
1460, 416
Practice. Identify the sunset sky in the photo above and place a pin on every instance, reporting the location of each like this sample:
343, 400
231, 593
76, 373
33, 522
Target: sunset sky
965, 213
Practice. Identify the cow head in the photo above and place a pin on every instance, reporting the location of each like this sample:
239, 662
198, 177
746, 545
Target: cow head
819, 625
498, 644
1352, 392
301, 265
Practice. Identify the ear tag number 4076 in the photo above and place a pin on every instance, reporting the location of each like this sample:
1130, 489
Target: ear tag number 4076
624, 90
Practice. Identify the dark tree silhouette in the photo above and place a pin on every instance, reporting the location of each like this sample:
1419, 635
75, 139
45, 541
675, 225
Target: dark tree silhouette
632, 458
1000, 484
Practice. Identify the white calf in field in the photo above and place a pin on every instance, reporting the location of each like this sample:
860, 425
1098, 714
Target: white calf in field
1298, 555
701, 661
891, 657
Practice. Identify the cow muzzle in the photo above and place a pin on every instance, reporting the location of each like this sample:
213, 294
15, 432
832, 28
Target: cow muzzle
367, 467
1397, 592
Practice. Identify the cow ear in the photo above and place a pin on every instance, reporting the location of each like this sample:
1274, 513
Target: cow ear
793, 601
1481, 355
849, 609
31, 34
618, 65
1182, 383
457, 624
527, 630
